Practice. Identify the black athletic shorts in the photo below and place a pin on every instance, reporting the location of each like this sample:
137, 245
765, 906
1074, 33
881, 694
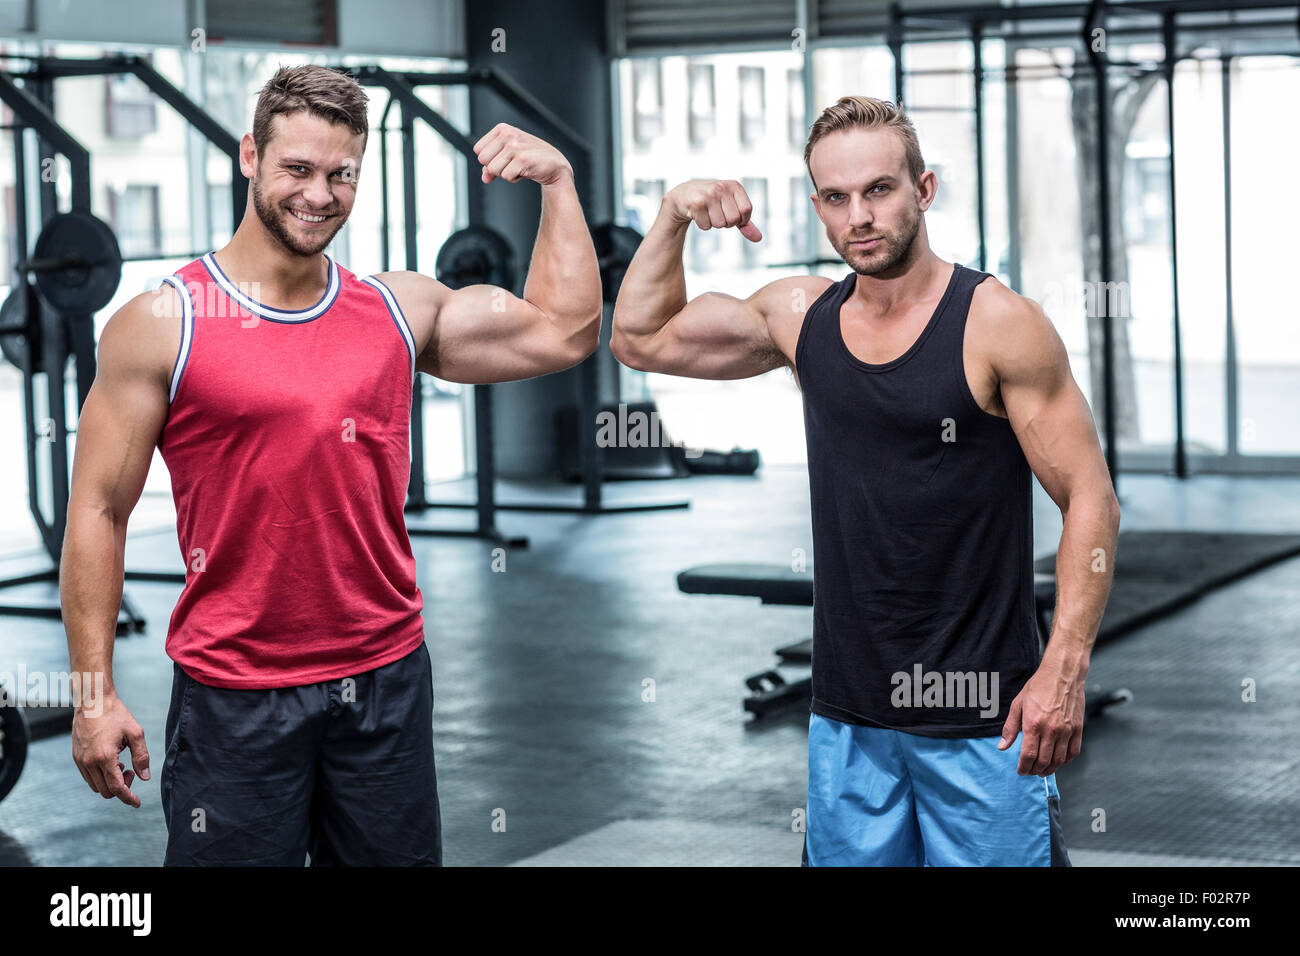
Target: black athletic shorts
341, 770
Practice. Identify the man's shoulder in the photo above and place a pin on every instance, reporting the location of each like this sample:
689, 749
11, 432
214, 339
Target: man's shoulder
1009, 330
998, 311
993, 298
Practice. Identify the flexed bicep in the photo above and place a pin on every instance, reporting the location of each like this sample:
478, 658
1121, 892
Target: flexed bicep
483, 334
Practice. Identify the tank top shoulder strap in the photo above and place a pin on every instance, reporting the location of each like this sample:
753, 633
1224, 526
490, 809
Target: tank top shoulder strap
951, 326
829, 301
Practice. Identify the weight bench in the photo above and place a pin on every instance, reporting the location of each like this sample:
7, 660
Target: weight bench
778, 584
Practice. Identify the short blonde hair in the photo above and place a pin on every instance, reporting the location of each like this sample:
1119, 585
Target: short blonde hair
321, 91
865, 112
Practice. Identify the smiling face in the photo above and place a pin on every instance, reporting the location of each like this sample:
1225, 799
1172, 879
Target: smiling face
866, 198
305, 181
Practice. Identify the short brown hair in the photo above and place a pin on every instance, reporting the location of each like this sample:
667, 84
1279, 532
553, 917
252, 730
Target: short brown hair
864, 112
328, 93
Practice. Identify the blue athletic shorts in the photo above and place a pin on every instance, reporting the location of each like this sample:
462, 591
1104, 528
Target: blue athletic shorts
341, 770
881, 797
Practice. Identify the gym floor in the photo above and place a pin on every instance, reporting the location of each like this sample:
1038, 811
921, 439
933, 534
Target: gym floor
539, 680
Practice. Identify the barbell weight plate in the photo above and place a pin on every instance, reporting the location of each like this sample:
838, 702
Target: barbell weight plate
14, 736
476, 255
615, 247
74, 290
15, 336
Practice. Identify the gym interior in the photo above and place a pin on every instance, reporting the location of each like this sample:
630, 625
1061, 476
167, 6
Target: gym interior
620, 632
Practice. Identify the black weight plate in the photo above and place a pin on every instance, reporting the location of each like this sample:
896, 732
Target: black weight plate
15, 338
476, 255
74, 290
13, 746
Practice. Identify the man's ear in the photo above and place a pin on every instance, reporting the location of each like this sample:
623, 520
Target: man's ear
247, 156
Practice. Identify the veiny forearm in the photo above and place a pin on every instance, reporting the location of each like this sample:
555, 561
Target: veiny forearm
563, 276
90, 589
1085, 566
654, 288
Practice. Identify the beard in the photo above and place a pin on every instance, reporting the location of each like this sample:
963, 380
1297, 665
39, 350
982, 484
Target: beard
277, 223
895, 246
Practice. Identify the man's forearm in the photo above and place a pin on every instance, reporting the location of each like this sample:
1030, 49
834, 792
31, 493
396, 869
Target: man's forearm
1085, 565
563, 276
654, 288
90, 591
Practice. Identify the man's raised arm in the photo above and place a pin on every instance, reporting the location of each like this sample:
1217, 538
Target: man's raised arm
713, 336
481, 334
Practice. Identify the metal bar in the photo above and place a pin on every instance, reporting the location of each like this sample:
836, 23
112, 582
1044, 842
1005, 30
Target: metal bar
895, 41
23, 235
415, 484
977, 44
385, 223
1014, 271
1231, 383
1067, 35
1096, 14
1171, 61
990, 13
53, 351
811, 232
485, 460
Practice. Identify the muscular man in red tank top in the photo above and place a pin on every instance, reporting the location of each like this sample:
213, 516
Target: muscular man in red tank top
277, 386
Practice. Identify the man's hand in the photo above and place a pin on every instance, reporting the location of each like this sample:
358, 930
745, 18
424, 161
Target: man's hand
713, 204
96, 742
513, 155
1049, 709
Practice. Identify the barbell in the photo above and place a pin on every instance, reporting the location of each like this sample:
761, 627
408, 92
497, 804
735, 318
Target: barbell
76, 267
76, 263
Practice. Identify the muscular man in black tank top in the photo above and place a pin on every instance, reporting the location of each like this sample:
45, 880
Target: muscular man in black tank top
930, 392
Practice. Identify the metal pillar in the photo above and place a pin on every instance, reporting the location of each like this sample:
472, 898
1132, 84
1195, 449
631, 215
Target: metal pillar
1170, 62
1096, 14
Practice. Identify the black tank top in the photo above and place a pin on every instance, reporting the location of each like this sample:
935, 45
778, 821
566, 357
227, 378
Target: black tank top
922, 520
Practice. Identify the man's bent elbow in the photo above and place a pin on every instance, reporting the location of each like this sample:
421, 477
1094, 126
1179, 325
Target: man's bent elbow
578, 345
625, 350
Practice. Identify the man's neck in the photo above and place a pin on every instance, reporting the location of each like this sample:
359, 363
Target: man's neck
881, 296
253, 256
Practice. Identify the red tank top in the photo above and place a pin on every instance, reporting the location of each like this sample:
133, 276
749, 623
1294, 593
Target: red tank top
288, 443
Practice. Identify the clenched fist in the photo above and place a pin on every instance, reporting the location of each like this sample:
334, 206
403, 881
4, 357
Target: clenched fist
513, 155
713, 204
